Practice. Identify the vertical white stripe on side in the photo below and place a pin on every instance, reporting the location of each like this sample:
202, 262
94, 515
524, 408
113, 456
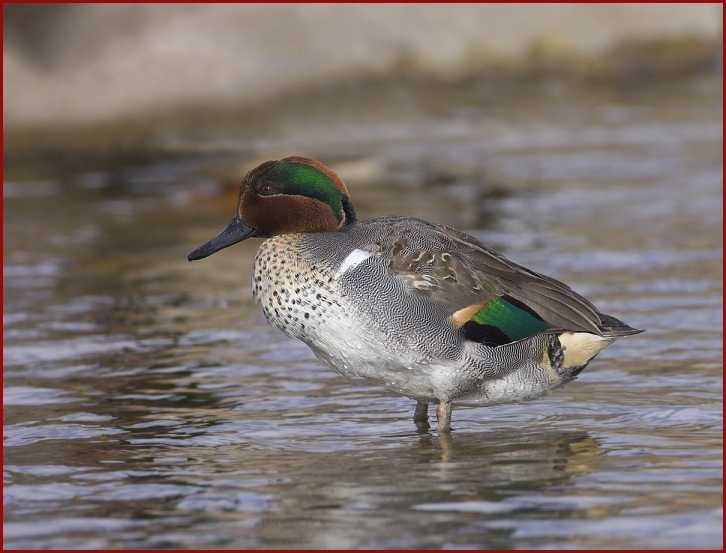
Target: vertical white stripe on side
355, 258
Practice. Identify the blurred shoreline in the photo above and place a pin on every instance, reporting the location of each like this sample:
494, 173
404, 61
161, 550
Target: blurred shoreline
166, 77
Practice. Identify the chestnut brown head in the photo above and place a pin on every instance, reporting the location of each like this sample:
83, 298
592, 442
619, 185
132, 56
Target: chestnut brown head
290, 195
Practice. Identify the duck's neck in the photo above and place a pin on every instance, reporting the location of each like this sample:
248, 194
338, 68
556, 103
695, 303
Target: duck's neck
350, 216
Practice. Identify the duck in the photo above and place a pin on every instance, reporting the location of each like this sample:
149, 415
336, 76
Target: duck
423, 309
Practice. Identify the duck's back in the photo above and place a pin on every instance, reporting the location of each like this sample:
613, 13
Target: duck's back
442, 266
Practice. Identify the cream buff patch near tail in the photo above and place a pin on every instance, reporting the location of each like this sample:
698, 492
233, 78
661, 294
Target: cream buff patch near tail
580, 347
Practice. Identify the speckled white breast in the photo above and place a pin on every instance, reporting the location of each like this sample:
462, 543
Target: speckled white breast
304, 300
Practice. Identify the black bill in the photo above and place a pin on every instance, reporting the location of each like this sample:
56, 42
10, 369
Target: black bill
235, 232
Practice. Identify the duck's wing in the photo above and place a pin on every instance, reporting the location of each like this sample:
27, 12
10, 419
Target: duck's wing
483, 289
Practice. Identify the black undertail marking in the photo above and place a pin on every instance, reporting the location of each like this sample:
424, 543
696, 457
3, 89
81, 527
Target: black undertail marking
555, 353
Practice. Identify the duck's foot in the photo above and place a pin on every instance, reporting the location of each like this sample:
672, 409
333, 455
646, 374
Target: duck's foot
421, 416
443, 417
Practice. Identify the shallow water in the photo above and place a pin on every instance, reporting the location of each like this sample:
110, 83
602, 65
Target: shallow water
147, 403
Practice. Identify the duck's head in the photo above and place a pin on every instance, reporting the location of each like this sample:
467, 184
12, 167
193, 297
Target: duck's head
294, 194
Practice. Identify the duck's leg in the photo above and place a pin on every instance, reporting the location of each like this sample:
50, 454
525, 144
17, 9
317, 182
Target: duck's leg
421, 416
443, 417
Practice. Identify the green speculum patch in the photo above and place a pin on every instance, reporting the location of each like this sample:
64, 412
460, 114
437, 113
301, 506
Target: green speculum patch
502, 321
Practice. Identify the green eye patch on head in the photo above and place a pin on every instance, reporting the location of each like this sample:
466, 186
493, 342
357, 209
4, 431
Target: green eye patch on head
294, 178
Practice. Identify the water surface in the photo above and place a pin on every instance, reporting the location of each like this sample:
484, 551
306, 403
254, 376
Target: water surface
147, 403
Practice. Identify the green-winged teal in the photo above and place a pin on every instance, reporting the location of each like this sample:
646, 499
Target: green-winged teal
421, 308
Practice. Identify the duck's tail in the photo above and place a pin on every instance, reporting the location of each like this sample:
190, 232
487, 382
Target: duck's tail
610, 327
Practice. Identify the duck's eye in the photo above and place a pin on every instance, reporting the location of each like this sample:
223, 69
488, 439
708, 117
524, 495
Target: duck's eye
266, 189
